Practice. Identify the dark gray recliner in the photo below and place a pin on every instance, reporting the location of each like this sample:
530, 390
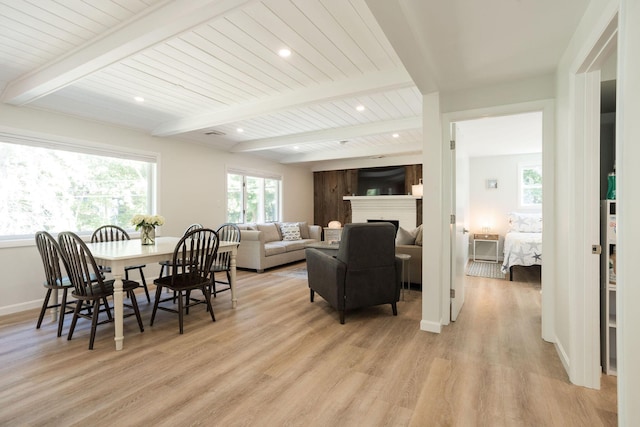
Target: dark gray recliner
363, 273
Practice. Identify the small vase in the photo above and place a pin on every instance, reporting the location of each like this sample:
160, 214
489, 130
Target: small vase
148, 235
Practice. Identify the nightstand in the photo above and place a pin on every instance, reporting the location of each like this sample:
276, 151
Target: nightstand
485, 239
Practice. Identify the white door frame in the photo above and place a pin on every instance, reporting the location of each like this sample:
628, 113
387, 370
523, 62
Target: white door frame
584, 276
548, 194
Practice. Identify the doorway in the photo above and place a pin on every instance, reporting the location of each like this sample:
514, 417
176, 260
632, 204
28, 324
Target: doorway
546, 113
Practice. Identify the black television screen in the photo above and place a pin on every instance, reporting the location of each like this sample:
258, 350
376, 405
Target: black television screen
381, 181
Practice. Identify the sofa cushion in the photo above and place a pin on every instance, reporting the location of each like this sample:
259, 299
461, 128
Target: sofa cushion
294, 245
405, 237
274, 248
270, 231
290, 231
419, 236
304, 230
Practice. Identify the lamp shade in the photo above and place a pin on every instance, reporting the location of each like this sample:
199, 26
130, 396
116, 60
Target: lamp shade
335, 224
416, 190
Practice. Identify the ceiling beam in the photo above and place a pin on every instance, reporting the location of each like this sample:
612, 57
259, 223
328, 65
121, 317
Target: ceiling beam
335, 134
377, 82
150, 27
369, 152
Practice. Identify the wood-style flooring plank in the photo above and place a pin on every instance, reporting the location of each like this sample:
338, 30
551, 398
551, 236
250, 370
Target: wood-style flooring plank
280, 360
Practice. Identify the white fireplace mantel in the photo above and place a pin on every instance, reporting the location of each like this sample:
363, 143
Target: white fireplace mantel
400, 208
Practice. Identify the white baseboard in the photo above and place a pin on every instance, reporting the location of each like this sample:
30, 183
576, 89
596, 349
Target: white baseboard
563, 356
23, 306
428, 326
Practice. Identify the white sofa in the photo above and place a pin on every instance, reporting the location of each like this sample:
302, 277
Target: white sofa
272, 244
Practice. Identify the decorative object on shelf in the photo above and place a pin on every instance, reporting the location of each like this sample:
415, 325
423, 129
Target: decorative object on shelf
334, 224
611, 184
416, 190
492, 184
147, 225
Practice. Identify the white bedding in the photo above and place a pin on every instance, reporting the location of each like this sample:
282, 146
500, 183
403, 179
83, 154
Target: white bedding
522, 249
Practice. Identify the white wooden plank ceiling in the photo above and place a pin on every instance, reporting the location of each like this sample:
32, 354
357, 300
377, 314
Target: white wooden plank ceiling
207, 68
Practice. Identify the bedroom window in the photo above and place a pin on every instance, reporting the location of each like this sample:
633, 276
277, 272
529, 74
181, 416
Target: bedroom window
252, 197
56, 186
530, 185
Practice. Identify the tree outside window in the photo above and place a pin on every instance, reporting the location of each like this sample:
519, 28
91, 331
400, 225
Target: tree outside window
252, 198
530, 185
55, 190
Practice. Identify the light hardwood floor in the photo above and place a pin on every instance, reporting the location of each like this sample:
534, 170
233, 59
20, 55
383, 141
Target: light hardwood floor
279, 360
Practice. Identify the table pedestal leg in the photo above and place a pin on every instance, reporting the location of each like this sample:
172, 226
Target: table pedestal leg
232, 285
118, 302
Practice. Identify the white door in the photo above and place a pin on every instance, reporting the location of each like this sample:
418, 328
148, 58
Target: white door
458, 227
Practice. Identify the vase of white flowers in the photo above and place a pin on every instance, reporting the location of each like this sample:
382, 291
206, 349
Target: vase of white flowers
147, 225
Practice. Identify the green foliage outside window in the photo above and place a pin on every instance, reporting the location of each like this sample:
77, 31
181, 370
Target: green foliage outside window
531, 186
54, 190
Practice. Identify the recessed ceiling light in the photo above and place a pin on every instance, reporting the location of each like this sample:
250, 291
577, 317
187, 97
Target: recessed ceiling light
396, 135
360, 108
240, 130
284, 52
138, 98
295, 147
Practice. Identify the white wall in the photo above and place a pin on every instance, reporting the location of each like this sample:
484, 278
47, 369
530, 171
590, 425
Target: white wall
182, 164
490, 206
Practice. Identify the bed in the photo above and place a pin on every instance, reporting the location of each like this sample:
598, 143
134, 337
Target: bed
523, 242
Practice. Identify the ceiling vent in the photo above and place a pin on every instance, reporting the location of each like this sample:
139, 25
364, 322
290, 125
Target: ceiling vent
215, 132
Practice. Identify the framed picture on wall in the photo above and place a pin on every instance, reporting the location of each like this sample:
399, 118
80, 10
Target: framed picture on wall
492, 184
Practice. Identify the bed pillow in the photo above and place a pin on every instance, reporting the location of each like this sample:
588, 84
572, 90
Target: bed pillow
525, 222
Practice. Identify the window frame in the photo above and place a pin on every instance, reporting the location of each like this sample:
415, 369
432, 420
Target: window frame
522, 167
54, 142
245, 174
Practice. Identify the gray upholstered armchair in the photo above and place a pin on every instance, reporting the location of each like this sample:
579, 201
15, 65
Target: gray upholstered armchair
363, 273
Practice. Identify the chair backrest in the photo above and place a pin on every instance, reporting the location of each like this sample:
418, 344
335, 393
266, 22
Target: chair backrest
367, 245
227, 232
194, 254
192, 227
81, 266
51, 258
109, 233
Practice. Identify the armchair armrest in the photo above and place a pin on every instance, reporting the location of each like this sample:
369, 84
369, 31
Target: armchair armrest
326, 276
315, 232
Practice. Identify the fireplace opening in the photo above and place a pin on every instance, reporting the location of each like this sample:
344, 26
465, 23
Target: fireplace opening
395, 222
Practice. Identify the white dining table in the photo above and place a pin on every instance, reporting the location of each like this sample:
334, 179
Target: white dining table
120, 254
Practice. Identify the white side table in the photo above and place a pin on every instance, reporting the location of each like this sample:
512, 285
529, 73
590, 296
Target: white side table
332, 234
405, 261
486, 238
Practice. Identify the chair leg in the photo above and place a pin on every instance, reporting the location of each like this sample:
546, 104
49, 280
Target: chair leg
63, 310
155, 304
394, 308
180, 308
45, 304
94, 322
207, 296
134, 304
341, 317
144, 285
76, 312
311, 294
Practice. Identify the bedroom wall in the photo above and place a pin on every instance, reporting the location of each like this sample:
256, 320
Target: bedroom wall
180, 164
490, 206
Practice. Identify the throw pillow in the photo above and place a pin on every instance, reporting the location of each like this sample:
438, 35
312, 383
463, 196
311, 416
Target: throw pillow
419, 236
270, 232
304, 230
290, 231
405, 237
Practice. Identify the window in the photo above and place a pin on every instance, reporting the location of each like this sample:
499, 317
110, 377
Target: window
253, 198
45, 185
530, 185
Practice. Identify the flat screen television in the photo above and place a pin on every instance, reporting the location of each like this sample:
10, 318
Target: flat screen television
380, 181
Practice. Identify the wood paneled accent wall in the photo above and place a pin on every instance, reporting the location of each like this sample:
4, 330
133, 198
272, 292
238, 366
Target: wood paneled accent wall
330, 186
